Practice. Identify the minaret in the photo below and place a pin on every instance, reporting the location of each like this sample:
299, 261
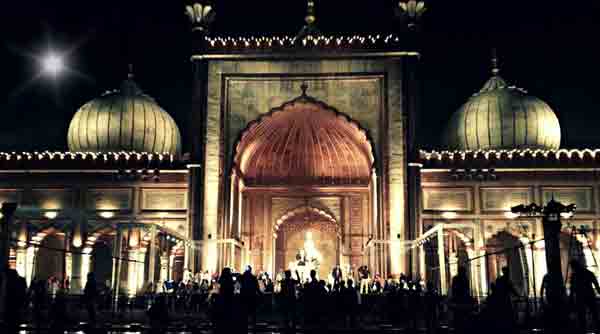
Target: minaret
201, 14
410, 13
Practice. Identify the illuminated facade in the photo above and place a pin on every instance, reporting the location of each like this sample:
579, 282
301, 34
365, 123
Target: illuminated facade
296, 145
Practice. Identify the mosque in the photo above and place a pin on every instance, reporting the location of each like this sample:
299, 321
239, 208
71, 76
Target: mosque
299, 144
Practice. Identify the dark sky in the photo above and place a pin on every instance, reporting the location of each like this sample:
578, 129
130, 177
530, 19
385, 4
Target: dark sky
549, 48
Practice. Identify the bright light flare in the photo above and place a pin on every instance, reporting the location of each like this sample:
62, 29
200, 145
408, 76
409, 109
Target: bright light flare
53, 64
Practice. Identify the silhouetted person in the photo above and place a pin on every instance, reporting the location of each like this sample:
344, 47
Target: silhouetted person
249, 293
225, 310
432, 302
15, 294
350, 305
461, 300
158, 314
583, 296
312, 296
553, 299
288, 301
90, 293
504, 291
58, 312
38, 297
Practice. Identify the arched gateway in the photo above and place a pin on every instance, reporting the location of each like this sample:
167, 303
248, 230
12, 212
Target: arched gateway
301, 187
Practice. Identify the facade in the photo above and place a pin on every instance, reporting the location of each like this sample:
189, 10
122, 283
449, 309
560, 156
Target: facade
302, 155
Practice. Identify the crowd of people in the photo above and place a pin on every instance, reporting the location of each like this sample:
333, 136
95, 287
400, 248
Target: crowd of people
231, 301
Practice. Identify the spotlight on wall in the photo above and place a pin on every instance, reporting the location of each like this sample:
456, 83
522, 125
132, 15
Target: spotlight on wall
51, 214
449, 215
567, 214
106, 214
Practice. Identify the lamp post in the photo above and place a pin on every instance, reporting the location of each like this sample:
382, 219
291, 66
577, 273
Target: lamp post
555, 286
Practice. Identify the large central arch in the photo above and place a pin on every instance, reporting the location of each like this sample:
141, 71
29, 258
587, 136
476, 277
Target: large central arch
302, 152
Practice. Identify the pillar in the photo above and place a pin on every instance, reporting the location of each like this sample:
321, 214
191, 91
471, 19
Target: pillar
117, 260
30, 261
132, 271
442, 261
164, 267
152, 256
140, 269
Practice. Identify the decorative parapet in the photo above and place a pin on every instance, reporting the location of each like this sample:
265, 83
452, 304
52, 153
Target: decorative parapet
325, 42
527, 158
88, 160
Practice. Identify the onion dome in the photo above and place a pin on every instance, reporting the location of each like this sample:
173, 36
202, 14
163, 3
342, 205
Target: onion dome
502, 117
124, 120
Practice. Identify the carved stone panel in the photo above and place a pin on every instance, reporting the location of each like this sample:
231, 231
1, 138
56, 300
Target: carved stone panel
109, 199
447, 199
164, 199
580, 196
356, 215
502, 199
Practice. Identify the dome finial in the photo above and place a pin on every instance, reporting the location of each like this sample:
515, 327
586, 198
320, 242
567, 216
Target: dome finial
310, 29
130, 71
495, 69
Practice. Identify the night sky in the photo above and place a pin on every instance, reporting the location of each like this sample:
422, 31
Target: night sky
549, 48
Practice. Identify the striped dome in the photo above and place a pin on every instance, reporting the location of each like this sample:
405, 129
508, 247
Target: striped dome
124, 120
502, 117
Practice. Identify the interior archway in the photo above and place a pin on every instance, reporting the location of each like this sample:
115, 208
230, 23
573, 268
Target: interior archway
309, 237
51, 250
505, 251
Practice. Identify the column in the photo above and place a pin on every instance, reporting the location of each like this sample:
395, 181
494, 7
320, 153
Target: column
530, 271
132, 271
442, 261
21, 260
152, 256
140, 269
117, 260
31, 254
480, 251
164, 267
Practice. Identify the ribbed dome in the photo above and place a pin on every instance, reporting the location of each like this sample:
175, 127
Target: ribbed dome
502, 117
124, 120
304, 142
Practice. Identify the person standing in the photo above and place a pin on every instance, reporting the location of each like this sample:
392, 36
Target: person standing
461, 300
364, 274
504, 292
584, 286
249, 292
288, 301
90, 293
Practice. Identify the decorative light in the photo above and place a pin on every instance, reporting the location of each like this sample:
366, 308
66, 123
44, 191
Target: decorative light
106, 214
77, 236
566, 215
449, 215
511, 215
134, 237
51, 214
